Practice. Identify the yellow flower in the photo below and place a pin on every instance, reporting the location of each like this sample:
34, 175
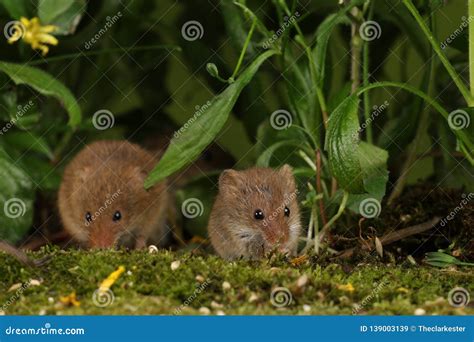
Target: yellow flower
348, 287
33, 33
70, 300
111, 279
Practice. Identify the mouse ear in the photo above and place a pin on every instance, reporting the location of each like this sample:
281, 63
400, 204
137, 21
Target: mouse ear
229, 178
137, 172
287, 171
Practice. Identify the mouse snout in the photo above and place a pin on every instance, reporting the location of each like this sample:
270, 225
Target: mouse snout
276, 236
102, 237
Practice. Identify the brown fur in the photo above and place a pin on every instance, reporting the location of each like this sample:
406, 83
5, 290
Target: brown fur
105, 177
233, 229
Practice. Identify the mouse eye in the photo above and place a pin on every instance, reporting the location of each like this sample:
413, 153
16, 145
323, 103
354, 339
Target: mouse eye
287, 211
117, 216
259, 214
88, 217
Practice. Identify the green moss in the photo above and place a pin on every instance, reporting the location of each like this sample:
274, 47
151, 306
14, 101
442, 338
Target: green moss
150, 286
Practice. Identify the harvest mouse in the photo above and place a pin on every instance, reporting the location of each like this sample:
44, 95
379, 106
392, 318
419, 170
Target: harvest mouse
102, 201
256, 211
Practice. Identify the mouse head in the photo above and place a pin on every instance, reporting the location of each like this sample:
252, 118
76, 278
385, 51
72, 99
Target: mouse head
106, 202
262, 207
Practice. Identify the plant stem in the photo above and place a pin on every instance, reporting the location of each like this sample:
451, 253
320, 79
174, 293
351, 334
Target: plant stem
455, 77
333, 219
101, 52
365, 80
62, 145
471, 44
319, 187
356, 49
244, 49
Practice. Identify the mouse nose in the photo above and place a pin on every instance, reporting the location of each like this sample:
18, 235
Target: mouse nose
102, 238
276, 237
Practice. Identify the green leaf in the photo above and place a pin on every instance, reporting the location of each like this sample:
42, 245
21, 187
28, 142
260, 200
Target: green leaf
65, 14
46, 85
342, 142
373, 162
358, 167
28, 141
188, 145
18, 8
323, 33
16, 200
264, 159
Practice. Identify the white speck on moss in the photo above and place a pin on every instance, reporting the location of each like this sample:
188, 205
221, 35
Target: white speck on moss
302, 281
175, 265
226, 286
204, 311
420, 312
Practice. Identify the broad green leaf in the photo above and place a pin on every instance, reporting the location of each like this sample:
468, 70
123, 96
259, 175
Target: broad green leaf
16, 200
46, 85
373, 162
342, 142
358, 166
65, 14
188, 145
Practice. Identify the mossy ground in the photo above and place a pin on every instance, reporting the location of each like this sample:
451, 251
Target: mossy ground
150, 286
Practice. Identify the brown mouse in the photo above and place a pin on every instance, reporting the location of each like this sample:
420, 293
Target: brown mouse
256, 211
102, 201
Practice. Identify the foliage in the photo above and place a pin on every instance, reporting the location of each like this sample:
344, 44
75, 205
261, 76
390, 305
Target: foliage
283, 62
